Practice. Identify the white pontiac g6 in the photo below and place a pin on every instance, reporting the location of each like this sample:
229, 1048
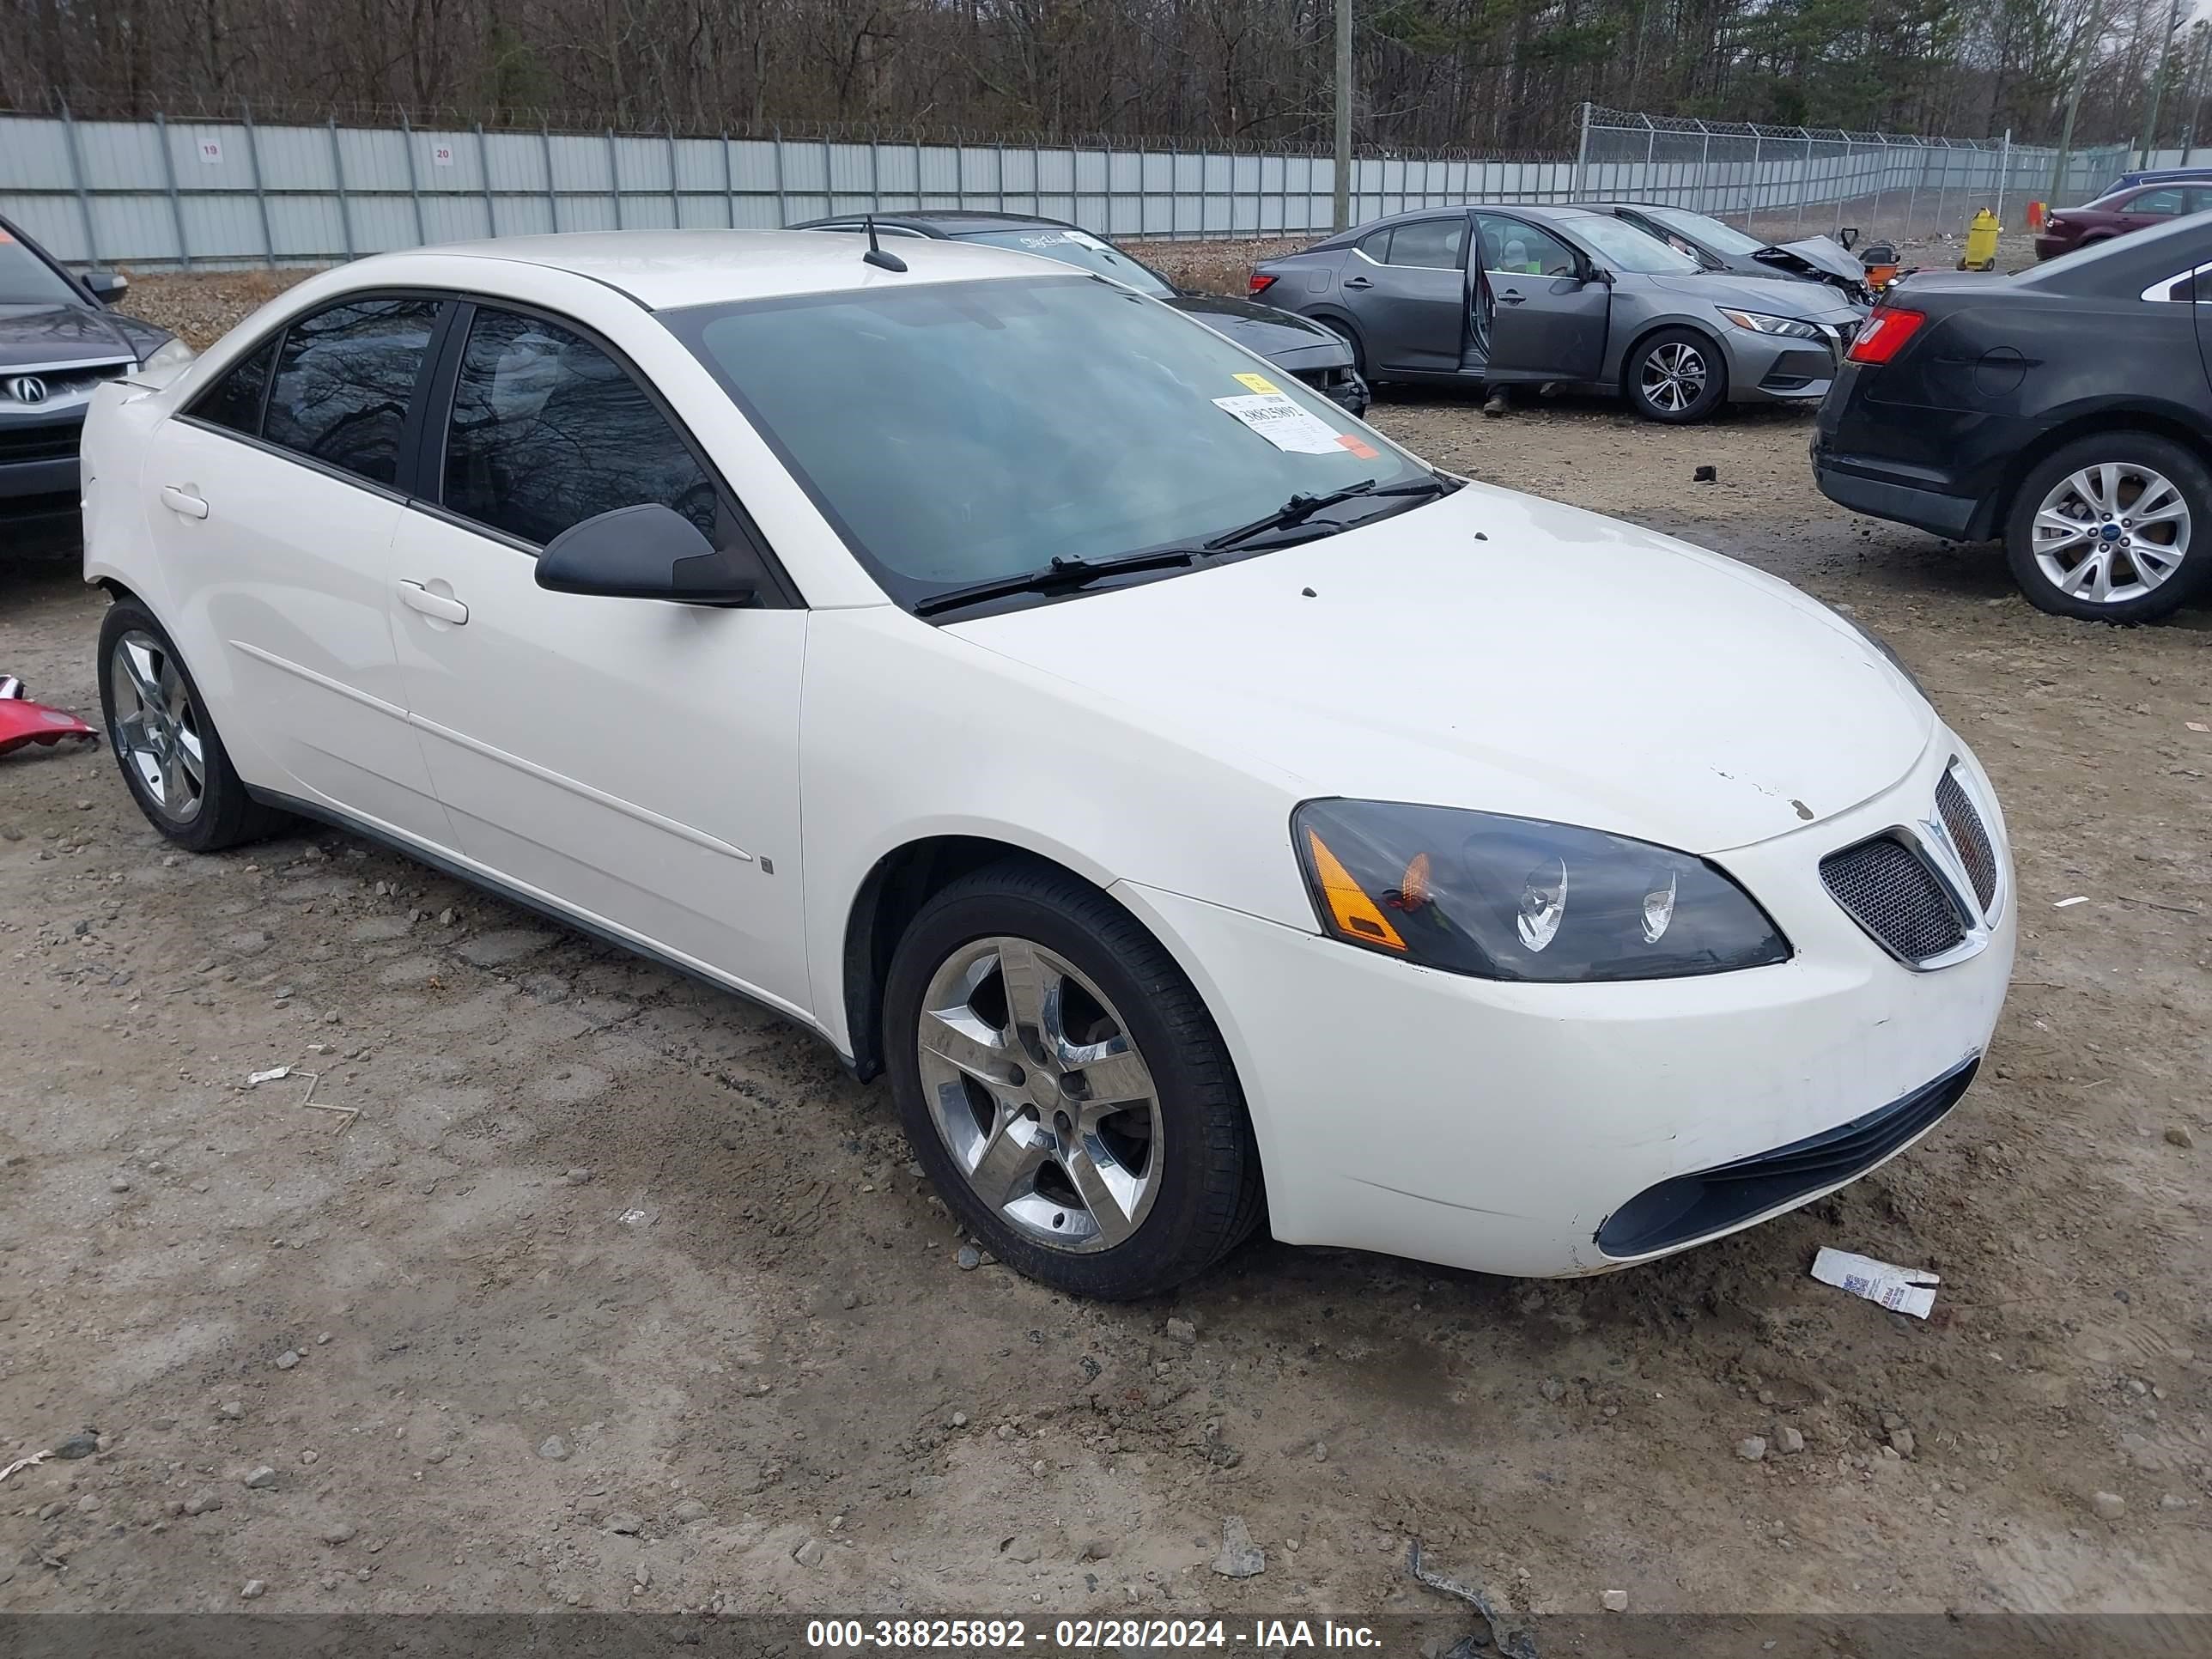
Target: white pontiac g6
1198, 806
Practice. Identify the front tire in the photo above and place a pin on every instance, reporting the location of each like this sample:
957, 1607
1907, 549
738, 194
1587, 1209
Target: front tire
2102, 528
172, 757
1061, 1083
1677, 377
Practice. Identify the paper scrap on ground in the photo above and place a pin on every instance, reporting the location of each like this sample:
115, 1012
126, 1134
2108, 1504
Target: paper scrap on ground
1282, 423
2068, 903
255, 1079
1901, 1289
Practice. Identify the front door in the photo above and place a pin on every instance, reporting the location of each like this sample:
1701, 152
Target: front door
1545, 321
292, 485
1406, 286
632, 760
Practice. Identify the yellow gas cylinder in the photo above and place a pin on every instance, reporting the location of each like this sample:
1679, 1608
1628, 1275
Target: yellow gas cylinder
1982, 242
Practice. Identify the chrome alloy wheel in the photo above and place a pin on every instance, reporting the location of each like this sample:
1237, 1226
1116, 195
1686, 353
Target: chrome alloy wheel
2111, 533
1038, 1092
1674, 376
156, 728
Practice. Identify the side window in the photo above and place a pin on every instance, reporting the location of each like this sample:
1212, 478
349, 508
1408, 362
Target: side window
1438, 244
234, 403
1375, 244
2200, 200
2164, 201
1515, 248
548, 430
344, 380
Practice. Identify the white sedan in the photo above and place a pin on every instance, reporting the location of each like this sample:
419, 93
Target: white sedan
1200, 807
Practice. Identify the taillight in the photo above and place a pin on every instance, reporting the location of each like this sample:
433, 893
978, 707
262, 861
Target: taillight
1261, 282
1884, 334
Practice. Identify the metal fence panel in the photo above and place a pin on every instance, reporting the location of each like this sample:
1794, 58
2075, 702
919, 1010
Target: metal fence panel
221, 192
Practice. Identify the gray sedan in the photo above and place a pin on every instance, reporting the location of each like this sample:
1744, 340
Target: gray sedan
1564, 295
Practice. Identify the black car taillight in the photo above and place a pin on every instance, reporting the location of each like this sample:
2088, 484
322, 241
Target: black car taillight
1883, 334
1261, 282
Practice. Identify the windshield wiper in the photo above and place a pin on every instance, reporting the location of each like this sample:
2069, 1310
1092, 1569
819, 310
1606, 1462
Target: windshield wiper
1061, 575
1299, 508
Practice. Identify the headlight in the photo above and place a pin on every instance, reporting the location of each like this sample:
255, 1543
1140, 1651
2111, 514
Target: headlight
1521, 899
174, 354
1759, 323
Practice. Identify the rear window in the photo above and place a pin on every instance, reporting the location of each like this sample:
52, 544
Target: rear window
1081, 249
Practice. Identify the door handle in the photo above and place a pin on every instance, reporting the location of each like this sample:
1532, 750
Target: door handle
184, 501
415, 597
1510, 298
1357, 282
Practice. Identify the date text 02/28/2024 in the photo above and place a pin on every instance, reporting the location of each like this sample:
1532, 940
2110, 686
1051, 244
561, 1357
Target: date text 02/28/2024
1078, 1635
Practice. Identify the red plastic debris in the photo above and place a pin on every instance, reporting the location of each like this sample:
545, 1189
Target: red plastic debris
22, 721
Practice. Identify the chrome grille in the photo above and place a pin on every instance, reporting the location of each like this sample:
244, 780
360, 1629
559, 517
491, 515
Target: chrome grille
1970, 836
1889, 890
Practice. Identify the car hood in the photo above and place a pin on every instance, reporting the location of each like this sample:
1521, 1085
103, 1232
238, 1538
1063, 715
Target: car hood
1503, 653
61, 334
1812, 302
1276, 335
1826, 254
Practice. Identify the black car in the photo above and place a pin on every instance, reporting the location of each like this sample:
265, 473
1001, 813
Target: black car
58, 341
1718, 245
2066, 410
1306, 350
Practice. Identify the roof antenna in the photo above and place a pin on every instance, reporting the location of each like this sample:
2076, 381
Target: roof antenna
875, 256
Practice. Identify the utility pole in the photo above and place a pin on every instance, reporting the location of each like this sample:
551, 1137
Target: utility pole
2158, 82
1344, 114
2085, 45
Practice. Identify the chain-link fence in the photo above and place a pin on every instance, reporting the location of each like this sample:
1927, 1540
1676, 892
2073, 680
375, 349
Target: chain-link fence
1784, 183
161, 193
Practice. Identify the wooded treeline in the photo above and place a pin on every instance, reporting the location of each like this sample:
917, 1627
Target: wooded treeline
1496, 76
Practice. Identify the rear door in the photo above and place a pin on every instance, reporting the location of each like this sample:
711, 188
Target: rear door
1406, 287
1546, 320
633, 760
272, 499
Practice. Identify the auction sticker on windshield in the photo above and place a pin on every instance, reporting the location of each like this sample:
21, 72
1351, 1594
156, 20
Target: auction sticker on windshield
1282, 423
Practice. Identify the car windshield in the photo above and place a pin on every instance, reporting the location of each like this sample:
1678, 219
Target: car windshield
957, 433
1079, 248
1626, 248
28, 283
1720, 237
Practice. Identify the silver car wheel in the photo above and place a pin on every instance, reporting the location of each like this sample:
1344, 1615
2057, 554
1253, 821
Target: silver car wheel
156, 727
2104, 519
1037, 1090
1672, 376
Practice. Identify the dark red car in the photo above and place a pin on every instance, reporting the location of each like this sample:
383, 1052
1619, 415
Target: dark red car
2116, 215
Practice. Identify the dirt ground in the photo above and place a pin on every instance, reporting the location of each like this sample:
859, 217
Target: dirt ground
596, 1289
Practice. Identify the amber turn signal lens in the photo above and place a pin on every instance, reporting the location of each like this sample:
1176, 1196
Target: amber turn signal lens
1356, 916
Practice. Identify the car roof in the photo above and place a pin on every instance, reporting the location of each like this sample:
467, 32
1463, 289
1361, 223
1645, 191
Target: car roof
1559, 214
947, 222
663, 269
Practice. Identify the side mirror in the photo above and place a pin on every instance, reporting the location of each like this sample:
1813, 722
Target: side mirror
648, 552
1848, 236
1599, 274
107, 286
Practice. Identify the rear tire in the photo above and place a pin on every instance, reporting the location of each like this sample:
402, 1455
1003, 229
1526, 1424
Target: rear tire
1677, 377
2075, 528
1077, 1108
172, 757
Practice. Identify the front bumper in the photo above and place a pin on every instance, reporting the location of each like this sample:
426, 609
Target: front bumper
1776, 369
1500, 1127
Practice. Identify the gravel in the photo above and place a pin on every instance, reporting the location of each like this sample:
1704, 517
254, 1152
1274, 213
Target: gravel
1751, 1448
